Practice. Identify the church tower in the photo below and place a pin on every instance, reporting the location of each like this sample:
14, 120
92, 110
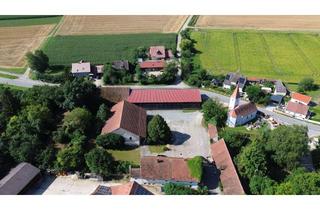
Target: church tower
234, 99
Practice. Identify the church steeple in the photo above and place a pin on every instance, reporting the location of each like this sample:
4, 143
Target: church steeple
234, 99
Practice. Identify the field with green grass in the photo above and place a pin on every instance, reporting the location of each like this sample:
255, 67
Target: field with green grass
288, 56
132, 155
100, 49
21, 20
8, 76
13, 70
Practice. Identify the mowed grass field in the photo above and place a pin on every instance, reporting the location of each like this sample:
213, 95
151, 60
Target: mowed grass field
266, 54
99, 49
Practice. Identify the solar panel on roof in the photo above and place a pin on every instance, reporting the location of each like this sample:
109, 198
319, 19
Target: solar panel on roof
142, 191
103, 190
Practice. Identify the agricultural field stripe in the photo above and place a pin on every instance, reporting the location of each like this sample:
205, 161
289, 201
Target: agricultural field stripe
303, 55
236, 51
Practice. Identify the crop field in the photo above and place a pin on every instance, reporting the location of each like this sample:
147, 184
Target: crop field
120, 24
265, 54
100, 49
15, 42
16, 20
265, 22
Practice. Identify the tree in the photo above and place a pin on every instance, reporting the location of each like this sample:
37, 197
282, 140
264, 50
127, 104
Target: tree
158, 131
80, 92
178, 189
256, 95
101, 116
169, 74
9, 106
186, 44
235, 140
213, 111
139, 73
78, 119
38, 61
110, 141
307, 84
46, 158
100, 162
6, 161
300, 182
140, 52
70, 159
252, 160
185, 34
262, 185
288, 145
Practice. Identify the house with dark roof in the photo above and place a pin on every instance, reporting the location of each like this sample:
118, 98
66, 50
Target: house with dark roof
240, 114
233, 79
162, 169
130, 188
298, 106
19, 179
228, 174
121, 65
279, 88
166, 98
129, 121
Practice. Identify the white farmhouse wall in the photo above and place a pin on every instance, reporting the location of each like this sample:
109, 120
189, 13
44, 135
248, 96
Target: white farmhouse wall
130, 138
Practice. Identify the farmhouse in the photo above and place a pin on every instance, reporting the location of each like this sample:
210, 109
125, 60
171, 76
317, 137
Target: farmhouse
164, 98
130, 188
160, 53
279, 88
228, 173
129, 121
233, 79
240, 114
298, 106
84, 69
161, 170
121, 65
152, 65
19, 179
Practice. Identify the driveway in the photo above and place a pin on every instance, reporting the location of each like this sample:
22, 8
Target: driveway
190, 138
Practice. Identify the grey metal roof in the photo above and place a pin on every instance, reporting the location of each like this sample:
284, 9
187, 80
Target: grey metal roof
280, 88
276, 98
121, 64
18, 178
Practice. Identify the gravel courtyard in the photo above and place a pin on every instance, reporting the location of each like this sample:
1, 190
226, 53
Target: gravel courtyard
190, 138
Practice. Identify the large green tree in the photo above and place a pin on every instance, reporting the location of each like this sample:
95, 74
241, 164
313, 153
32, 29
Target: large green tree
158, 131
38, 61
99, 161
178, 189
288, 144
78, 119
110, 141
70, 158
262, 185
9, 106
214, 112
307, 84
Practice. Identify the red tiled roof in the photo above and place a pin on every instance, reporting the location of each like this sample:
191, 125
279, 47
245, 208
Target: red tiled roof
130, 188
243, 109
165, 168
163, 95
300, 97
152, 64
212, 131
228, 173
128, 117
157, 52
297, 108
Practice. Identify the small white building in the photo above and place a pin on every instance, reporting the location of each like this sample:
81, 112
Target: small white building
129, 121
240, 114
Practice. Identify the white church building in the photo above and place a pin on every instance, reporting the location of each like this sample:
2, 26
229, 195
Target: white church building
240, 114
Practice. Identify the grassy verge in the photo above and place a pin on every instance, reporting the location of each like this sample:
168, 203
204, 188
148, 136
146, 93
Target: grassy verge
316, 111
157, 148
193, 20
99, 49
8, 76
132, 155
14, 70
45, 20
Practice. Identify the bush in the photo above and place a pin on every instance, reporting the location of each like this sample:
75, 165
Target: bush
214, 111
158, 131
178, 189
100, 161
110, 141
196, 167
307, 84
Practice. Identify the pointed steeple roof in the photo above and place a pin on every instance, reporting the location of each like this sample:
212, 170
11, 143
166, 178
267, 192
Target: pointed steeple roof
236, 93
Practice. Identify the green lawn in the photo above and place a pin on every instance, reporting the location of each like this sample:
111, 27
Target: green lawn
28, 20
13, 70
288, 56
132, 155
99, 49
316, 111
157, 148
8, 76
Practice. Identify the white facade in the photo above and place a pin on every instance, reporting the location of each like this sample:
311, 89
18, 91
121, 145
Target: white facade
296, 115
226, 86
240, 120
279, 93
298, 101
130, 138
234, 102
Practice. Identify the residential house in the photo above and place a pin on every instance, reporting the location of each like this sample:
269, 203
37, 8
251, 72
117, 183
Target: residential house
166, 98
121, 65
240, 114
228, 174
129, 121
161, 170
19, 179
233, 79
279, 88
81, 69
160, 53
130, 188
298, 106
152, 65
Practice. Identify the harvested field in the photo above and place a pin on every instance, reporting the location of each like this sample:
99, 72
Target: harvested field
15, 42
95, 25
289, 56
264, 22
